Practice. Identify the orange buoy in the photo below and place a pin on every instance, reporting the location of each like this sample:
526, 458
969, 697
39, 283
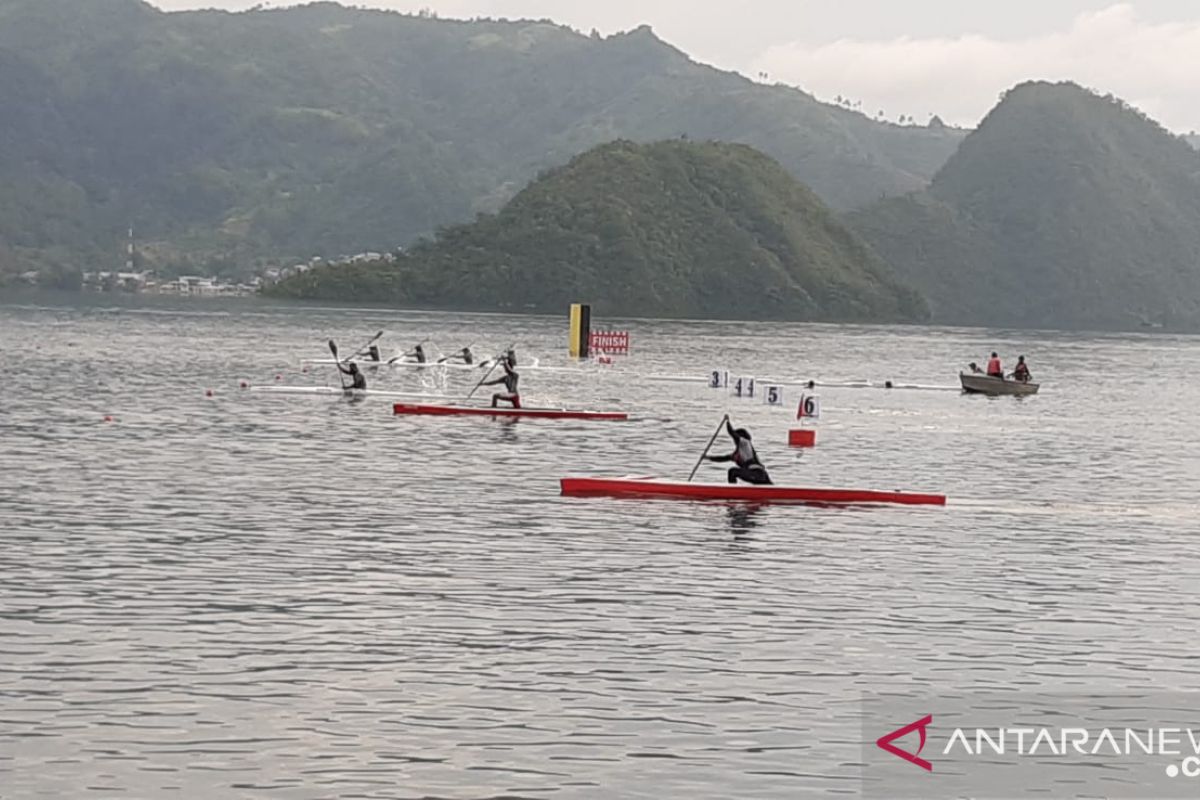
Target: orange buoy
802, 437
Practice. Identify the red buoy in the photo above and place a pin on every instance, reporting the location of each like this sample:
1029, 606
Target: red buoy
108, 418
245, 384
278, 377
208, 392
802, 437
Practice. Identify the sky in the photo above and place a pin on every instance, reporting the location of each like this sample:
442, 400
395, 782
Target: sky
912, 57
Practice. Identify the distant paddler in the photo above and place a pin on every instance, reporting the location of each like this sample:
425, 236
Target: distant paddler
464, 356
510, 379
746, 466
357, 379
414, 356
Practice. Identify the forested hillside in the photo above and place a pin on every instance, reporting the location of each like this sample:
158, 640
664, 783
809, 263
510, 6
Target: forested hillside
224, 138
1064, 209
667, 229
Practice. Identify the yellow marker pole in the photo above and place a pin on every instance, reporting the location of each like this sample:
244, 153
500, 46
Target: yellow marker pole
580, 330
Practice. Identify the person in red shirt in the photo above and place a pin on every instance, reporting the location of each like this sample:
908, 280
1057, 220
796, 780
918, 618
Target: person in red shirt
994, 368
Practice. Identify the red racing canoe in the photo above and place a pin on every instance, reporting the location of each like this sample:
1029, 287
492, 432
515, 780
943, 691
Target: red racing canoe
483, 411
680, 490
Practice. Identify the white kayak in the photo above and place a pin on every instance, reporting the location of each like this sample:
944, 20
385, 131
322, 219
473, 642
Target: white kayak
335, 391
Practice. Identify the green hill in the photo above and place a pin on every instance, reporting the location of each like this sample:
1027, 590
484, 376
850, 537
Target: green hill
1064, 209
667, 229
324, 130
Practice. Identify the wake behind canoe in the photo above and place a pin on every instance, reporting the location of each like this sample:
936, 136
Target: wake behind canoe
680, 490
402, 409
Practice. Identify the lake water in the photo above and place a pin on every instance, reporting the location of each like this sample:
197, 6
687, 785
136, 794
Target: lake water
304, 597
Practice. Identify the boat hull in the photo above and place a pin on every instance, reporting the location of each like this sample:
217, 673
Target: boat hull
480, 411
679, 490
996, 387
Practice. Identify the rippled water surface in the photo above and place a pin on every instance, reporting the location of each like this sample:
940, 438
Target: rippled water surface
248, 595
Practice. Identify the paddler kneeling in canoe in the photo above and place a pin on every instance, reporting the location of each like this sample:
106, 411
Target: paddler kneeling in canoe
747, 467
510, 378
357, 379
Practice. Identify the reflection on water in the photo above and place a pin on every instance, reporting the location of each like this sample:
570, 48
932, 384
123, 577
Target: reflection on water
253, 595
742, 517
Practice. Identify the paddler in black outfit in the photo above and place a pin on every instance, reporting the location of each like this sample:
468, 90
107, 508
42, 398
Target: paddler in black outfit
510, 379
357, 379
465, 356
373, 353
747, 467
419, 354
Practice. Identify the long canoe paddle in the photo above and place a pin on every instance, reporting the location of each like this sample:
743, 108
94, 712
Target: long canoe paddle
495, 363
716, 433
337, 363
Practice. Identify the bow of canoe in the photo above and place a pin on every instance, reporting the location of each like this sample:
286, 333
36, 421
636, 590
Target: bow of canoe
653, 487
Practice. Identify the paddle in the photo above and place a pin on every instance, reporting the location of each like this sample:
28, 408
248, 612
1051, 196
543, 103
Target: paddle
337, 363
495, 363
716, 433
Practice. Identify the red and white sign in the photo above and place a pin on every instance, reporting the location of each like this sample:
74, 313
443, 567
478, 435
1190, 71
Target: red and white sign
613, 342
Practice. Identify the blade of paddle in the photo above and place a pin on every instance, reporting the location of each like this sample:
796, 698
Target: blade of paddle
716, 433
337, 364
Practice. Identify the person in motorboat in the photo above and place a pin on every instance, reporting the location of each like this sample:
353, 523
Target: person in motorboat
994, 368
510, 379
1021, 372
357, 379
746, 465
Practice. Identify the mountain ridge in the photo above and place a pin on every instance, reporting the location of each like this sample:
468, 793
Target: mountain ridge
322, 129
672, 228
1063, 209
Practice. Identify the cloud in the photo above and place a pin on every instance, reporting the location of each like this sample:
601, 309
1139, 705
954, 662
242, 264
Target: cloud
1154, 66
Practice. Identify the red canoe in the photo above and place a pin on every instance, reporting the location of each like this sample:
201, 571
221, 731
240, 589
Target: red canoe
654, 487
482, 411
